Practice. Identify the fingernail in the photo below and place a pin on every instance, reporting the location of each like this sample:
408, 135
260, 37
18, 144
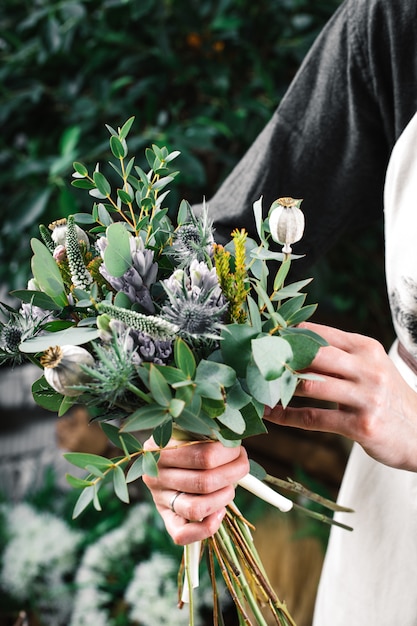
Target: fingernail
221, 514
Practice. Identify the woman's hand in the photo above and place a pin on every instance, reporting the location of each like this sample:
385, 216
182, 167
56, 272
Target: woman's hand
374, 405
203, 475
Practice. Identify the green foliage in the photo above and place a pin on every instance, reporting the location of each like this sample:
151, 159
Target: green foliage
204, 76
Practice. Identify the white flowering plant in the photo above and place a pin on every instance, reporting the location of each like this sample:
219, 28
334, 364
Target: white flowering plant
154, 327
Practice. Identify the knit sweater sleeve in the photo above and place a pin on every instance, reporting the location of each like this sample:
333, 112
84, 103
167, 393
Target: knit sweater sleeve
330, 139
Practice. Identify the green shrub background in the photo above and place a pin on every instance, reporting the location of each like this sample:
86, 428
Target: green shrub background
201, 76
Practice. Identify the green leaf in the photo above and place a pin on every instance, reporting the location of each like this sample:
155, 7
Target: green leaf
119, 483
291, 306
102, 184
66, 403
302, 315
86, 497
267, 392
257, 470
45, 396
117, 256
113, 434
126, 127
80, 168
74, 336
271, 354
291, 290
159, 388
254, 314
184, 358
150, 465
82, 459
36, 298
145, 418
46, 273
213, 407
212, 372
135, 471
237, 397
282, 273
232, 418
206, 389
163, 433
236, 346
76, 482
304, 349
118, 148
176, 406
82, 183
288, 386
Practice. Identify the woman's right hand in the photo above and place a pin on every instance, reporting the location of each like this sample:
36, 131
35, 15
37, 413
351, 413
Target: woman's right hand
203, 475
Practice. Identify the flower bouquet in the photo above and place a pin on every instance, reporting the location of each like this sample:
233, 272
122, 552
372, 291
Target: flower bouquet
154, 327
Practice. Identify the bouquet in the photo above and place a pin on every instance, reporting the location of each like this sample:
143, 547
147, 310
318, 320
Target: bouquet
154, 327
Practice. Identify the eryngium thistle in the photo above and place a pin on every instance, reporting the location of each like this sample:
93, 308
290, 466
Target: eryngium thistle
193, 239
196, 303
138, 279
20, 325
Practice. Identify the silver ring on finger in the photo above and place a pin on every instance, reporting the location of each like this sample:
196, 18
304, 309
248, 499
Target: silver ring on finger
172, 501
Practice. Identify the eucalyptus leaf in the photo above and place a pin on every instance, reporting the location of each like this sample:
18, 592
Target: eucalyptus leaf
159, 388
145, 418
82, 459
288, 386
271, 354
119, 483
304, 349
232, 418
163, 433
267, 392
184, 358
74, 336
150, 464
135, 471
236, 346
85, 498
46, 273
117, 256
45, 396
37, 298
212, 372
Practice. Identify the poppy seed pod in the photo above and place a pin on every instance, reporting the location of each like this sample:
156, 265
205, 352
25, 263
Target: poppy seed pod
286, 222
62, 368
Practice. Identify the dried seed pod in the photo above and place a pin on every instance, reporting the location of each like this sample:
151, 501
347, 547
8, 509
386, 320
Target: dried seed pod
286, 222
62, 368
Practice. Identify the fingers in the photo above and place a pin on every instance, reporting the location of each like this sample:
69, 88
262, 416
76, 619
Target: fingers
184, 532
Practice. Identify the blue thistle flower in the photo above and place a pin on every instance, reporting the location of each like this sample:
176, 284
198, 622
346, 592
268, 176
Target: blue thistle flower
193, 239
196, 303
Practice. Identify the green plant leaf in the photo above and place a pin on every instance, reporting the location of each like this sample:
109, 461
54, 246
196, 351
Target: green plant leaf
135, 470
159, 388
85, 498
124, 131
184, 358
37, 298
146, 417
288, 386
45, 396
304, 349
212, 372
117, 257
233, 419
150, 463
82, 459
267, 392
115, 436
163, 433
73, 336
271, 354
119, 484
236, 346
46, 273
80, 168
76, 482
176, 407
118, 148
302, 315
102, 184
